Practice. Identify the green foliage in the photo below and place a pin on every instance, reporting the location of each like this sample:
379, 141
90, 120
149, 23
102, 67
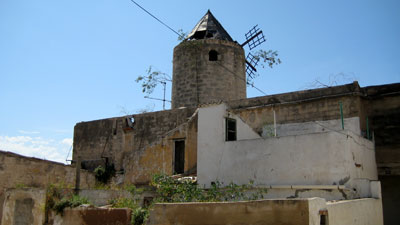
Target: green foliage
139, 216
103, 175
171, 190
182, 35
71, 201
133, 190
268, 57
58, 198
124, 203
20, 186
151, 79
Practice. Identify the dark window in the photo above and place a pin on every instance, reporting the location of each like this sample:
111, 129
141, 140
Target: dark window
179, 163
230, 134
323, 220
213, 55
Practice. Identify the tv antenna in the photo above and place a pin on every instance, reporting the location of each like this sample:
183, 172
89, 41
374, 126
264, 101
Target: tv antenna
254, 38
159, 99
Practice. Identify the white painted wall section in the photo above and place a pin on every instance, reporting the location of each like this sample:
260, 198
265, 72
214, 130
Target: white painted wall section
329, 158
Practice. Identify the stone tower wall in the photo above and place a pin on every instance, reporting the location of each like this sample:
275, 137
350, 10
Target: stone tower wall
197, 80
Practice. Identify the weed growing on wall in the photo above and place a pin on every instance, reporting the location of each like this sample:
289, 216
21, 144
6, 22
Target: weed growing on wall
103, 175
185, 190
59, 197
69, 201
139, 214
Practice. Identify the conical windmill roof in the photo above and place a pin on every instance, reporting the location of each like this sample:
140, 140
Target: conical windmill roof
209, 28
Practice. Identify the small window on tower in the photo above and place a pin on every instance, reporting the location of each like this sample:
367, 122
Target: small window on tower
230, 125
213, 55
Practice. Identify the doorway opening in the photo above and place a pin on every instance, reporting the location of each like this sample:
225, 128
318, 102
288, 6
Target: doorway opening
179, 158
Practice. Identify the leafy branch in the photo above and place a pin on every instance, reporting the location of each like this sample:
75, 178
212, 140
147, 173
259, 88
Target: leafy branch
151, 79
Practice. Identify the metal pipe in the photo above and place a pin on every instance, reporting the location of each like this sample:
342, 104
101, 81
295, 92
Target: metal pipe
274, 123
367, 129
341, 114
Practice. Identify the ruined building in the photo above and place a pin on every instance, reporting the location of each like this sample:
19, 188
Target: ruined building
340, 144
358, 129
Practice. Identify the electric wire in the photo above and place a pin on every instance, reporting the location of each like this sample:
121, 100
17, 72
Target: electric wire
248, 83
156, 18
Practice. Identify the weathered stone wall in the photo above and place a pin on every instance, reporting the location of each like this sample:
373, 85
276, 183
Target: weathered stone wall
355, 212
298, 107
17, 170
198, 80
383, 110
20, 171
338, 158
273, 212
92, 216
23, 206
158, 157
140, 149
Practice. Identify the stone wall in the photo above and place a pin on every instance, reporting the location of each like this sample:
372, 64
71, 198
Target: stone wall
21, 171
328, 158
158, 157
355, 212
18, 171
23, 206
299, 107
137, 145
92, 216
197, 80
271, 212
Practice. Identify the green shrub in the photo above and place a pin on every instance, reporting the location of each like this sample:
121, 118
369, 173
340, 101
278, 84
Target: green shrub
72, 202
139, 216
172, 190
102, 174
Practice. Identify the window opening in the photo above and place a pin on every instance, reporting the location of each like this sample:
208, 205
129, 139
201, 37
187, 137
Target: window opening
179, 162
213, 55
323, 220
230, 125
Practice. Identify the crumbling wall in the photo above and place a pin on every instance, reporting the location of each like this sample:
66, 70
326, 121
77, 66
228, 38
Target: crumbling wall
274, 212
137, 145
355, 212
158, 157
18, 171
92, 216
21, 171
300, 107
328, 158
23, 206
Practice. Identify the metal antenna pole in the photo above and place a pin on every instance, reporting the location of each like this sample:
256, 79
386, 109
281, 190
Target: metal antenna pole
163, 105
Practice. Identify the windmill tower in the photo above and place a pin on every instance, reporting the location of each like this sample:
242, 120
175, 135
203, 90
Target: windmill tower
208, 66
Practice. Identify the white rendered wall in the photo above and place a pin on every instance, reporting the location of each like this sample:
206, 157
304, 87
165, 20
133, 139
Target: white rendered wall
329, 158
366, 211
287, 129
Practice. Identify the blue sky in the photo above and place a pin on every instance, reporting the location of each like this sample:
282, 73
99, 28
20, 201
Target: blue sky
62, 62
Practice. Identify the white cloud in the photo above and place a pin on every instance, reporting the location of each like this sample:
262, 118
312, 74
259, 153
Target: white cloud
37, 147
28, 132
67, 141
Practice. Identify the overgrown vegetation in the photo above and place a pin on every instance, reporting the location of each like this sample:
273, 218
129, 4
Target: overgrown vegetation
139, 214
103, 175
167, 188
69, 201
59, 197
185, 190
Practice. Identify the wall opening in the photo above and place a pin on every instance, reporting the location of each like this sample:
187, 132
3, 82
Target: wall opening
23, 211
179, 158
213, 55
230, 129
323, 220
